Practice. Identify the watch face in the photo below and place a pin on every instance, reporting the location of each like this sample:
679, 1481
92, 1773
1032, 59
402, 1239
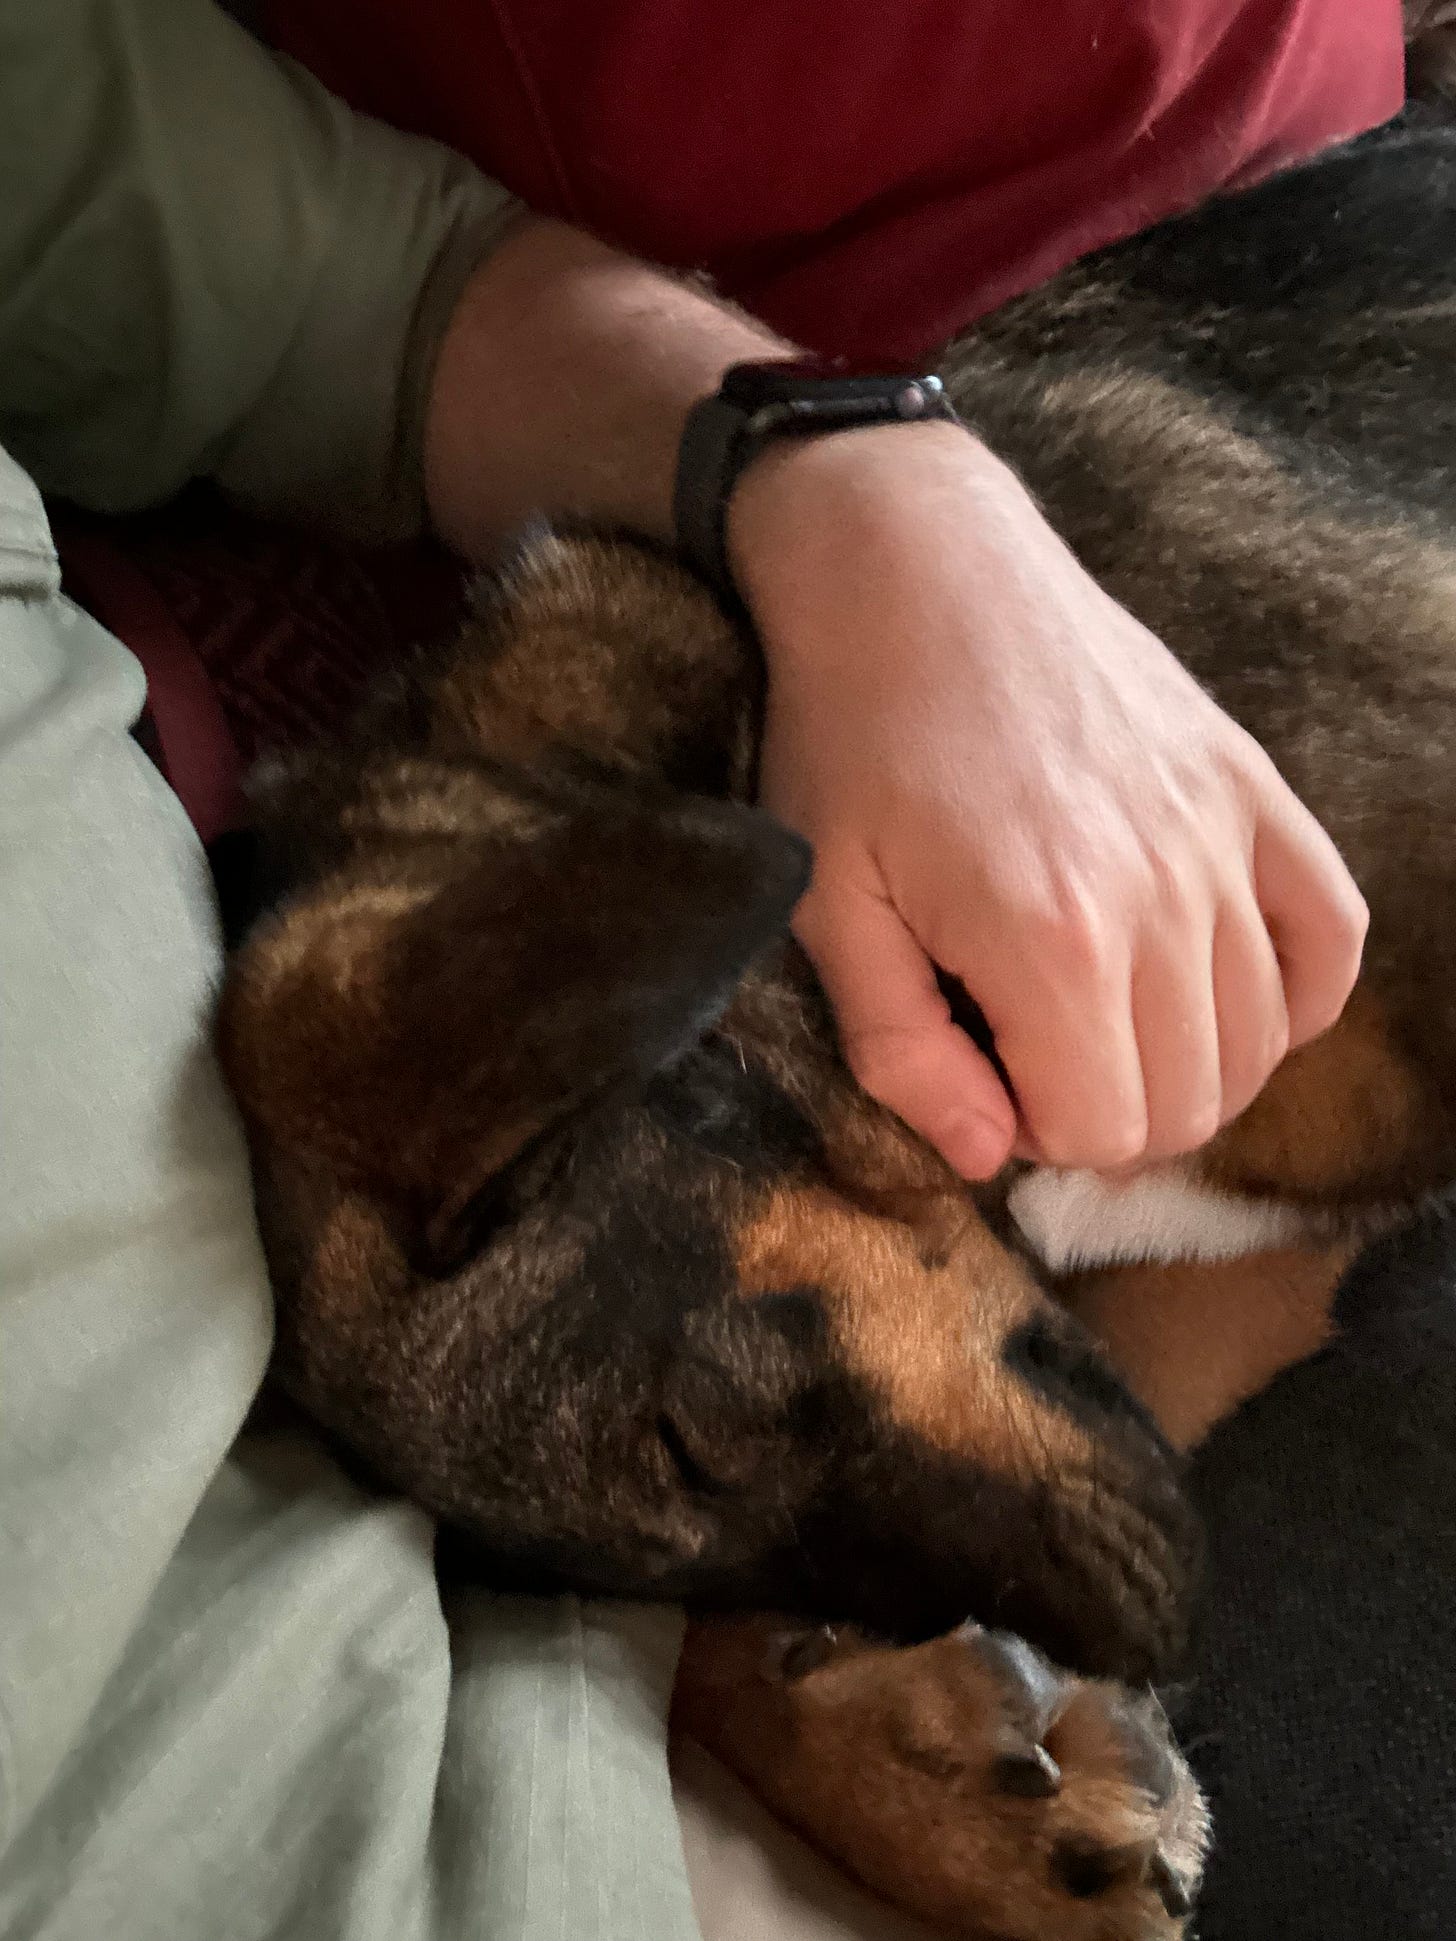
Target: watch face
753, 387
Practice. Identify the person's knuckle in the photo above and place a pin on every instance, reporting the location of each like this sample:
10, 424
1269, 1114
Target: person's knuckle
1162, 875
1075, 932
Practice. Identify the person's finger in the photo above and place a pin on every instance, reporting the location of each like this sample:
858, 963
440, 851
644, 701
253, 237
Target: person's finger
1253, 1017
897, 1035
1072, 1057
1176, 1019
1316, 918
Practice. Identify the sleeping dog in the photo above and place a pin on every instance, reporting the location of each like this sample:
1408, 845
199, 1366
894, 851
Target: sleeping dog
583, 1235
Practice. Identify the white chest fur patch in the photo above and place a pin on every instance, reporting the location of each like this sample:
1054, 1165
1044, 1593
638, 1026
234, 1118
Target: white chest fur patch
1077, 1219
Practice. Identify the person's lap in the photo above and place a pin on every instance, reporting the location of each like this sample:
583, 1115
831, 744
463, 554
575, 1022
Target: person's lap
232, 1703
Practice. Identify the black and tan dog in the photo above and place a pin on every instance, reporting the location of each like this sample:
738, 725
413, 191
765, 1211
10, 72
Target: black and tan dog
584, 1237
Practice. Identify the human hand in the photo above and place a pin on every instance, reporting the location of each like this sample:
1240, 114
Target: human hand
1005, 775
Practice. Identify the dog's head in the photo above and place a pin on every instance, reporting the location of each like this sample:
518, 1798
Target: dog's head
584, 1236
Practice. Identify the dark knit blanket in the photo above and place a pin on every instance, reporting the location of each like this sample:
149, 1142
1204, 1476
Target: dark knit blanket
1323, 1719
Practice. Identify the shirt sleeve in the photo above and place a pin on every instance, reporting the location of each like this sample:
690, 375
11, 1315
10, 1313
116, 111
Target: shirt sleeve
210, 267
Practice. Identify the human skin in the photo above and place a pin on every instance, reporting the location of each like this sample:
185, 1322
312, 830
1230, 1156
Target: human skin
1002, 773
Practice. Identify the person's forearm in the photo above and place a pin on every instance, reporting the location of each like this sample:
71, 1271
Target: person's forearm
562, 384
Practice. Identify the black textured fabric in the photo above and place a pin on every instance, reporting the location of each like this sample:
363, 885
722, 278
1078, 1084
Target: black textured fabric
1323, 1717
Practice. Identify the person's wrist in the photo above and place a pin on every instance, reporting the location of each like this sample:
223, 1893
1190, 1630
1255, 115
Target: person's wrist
801, 504
561, 385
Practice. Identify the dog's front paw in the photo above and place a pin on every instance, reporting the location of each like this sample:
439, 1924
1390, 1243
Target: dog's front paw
967, 1779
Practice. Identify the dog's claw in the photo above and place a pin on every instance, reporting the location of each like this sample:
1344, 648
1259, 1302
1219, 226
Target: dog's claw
1033, 1689
794, 1654
1086, 1869
1172, 1891
1032, 1774
1149, 1742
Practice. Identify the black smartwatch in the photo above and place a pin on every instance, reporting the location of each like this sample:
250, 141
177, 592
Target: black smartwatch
757, 404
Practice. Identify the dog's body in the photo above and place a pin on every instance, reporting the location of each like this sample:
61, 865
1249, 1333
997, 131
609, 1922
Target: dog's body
581, 1232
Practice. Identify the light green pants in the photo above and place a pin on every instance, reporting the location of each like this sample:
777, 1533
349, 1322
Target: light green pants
231, 1702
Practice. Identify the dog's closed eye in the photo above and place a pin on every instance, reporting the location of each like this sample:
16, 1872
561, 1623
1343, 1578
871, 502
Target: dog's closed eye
739, 1394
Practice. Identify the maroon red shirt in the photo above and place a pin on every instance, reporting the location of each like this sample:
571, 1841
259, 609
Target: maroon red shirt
866, 175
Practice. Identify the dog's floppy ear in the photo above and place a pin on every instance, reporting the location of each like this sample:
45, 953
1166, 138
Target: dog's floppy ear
428, 1008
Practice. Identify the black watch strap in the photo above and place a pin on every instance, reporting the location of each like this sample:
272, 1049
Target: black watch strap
726, 432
